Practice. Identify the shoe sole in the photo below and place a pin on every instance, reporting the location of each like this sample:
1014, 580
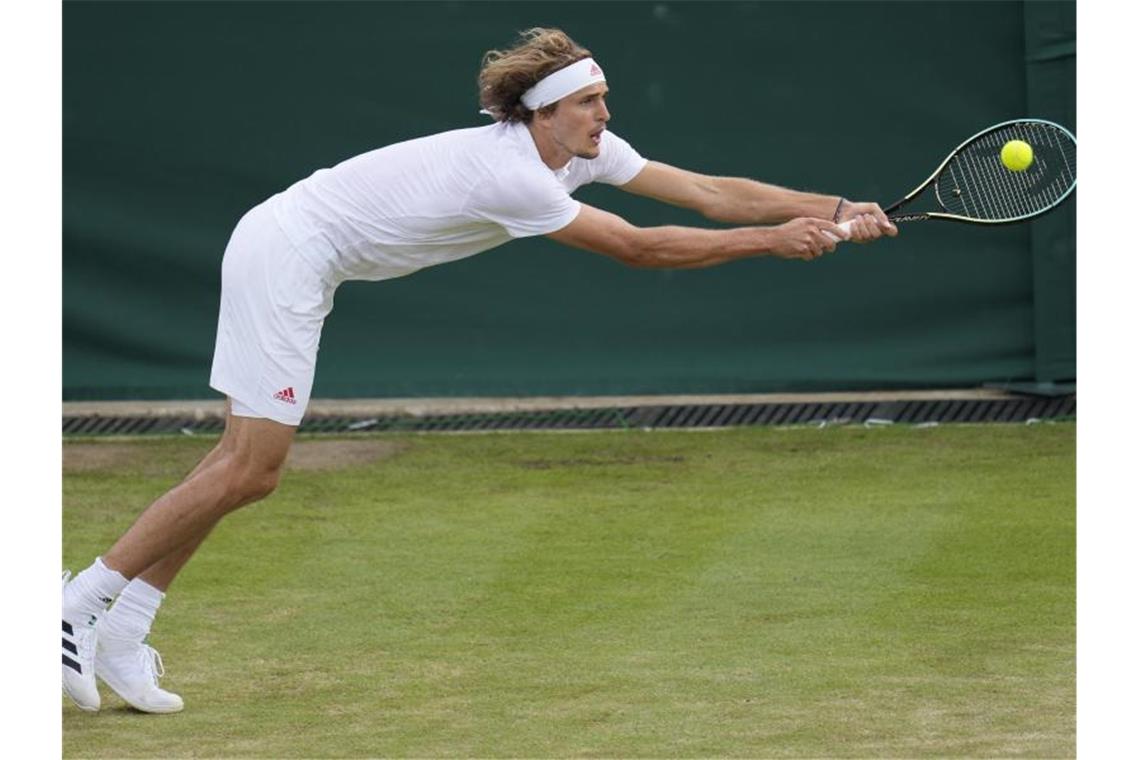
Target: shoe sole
80, 705
130, 701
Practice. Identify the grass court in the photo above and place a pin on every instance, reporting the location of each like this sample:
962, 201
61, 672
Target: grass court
756, 592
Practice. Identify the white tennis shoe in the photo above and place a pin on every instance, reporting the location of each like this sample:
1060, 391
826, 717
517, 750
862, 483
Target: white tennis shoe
79, 637
132, 672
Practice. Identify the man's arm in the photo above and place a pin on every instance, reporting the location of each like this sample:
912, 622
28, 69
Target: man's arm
675, 247
736, 200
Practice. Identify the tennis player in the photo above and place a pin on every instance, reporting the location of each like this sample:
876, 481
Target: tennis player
385, 214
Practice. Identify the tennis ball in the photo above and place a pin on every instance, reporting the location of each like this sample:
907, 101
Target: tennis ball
1016, 155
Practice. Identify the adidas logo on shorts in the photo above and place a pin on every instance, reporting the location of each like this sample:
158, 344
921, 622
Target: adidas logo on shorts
286, 396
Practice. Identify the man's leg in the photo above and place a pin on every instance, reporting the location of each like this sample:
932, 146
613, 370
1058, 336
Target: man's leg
246, 470
124, 659
265, 355
161, 573
243, 468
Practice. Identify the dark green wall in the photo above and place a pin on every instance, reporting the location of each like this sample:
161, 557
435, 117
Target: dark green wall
180, 116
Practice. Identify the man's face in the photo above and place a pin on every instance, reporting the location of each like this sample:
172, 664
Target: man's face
577, 124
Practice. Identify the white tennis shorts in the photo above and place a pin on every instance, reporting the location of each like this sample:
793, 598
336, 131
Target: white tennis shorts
274, 304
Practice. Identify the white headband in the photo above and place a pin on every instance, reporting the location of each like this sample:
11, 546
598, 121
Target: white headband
561, 83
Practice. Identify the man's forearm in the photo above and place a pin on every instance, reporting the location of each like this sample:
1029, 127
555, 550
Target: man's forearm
744, 201
674, 247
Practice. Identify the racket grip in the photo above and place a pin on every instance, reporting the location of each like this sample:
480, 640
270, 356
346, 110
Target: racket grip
845, 226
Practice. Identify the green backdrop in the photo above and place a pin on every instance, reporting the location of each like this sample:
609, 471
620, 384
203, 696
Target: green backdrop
178, 117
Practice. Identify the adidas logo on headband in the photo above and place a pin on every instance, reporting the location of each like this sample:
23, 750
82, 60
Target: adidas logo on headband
561, 83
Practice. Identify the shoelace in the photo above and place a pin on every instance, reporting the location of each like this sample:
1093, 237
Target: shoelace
151, 662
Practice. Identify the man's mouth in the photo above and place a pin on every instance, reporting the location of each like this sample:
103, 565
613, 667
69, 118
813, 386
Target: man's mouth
596, 137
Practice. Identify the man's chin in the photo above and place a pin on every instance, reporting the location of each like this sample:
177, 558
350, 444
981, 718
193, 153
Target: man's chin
592, 152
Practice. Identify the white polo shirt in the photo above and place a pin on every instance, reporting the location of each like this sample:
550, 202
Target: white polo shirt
415, 204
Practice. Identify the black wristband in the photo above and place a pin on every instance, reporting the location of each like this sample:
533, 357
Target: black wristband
835, 216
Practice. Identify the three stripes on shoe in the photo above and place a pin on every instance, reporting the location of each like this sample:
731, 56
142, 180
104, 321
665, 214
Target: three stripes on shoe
70, 647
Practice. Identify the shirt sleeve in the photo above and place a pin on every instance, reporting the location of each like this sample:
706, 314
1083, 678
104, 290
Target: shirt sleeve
524, 203
617, 162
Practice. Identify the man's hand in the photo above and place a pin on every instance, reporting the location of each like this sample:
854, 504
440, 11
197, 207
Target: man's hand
868, 222
804, 238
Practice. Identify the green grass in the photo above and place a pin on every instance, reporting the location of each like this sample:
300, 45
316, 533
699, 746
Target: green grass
844, 592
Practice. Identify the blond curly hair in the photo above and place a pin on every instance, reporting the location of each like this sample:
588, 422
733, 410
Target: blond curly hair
507, 74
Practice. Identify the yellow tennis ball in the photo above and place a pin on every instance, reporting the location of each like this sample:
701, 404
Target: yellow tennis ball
1016, 155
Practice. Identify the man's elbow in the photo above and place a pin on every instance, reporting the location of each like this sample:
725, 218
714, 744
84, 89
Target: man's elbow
710, 200
719, 213
637, 249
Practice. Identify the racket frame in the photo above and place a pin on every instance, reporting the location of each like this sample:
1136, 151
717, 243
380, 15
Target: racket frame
923, 215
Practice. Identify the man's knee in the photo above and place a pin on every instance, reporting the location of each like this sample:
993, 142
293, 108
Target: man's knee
255, 451
260, 484
249, 483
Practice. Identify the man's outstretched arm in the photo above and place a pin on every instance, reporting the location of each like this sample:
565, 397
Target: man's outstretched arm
737, 200
673, 247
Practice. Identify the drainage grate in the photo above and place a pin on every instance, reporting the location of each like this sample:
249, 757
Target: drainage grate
1008, 410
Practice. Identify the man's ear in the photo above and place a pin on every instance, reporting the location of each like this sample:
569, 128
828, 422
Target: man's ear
540, 121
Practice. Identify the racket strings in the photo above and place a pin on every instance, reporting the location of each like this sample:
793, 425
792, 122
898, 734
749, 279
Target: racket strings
976, 184
991, 191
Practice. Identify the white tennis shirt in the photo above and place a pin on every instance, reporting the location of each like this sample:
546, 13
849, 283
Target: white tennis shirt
415, 204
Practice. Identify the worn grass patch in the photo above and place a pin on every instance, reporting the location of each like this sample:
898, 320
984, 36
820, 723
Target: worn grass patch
750, 593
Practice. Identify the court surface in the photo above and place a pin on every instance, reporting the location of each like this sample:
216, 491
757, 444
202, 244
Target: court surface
759, 592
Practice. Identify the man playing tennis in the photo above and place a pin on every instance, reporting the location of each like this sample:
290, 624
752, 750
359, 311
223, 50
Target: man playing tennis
385, 214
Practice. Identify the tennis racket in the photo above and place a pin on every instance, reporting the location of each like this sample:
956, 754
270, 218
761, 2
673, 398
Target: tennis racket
973, 185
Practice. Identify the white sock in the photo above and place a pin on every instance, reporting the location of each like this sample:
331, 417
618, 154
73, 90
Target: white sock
89, 593
132, 615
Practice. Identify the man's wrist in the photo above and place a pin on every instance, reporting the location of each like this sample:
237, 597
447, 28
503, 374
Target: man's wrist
839, 209
762, 241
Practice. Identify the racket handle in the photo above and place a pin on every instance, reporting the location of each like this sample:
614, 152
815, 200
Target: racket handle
845, 226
